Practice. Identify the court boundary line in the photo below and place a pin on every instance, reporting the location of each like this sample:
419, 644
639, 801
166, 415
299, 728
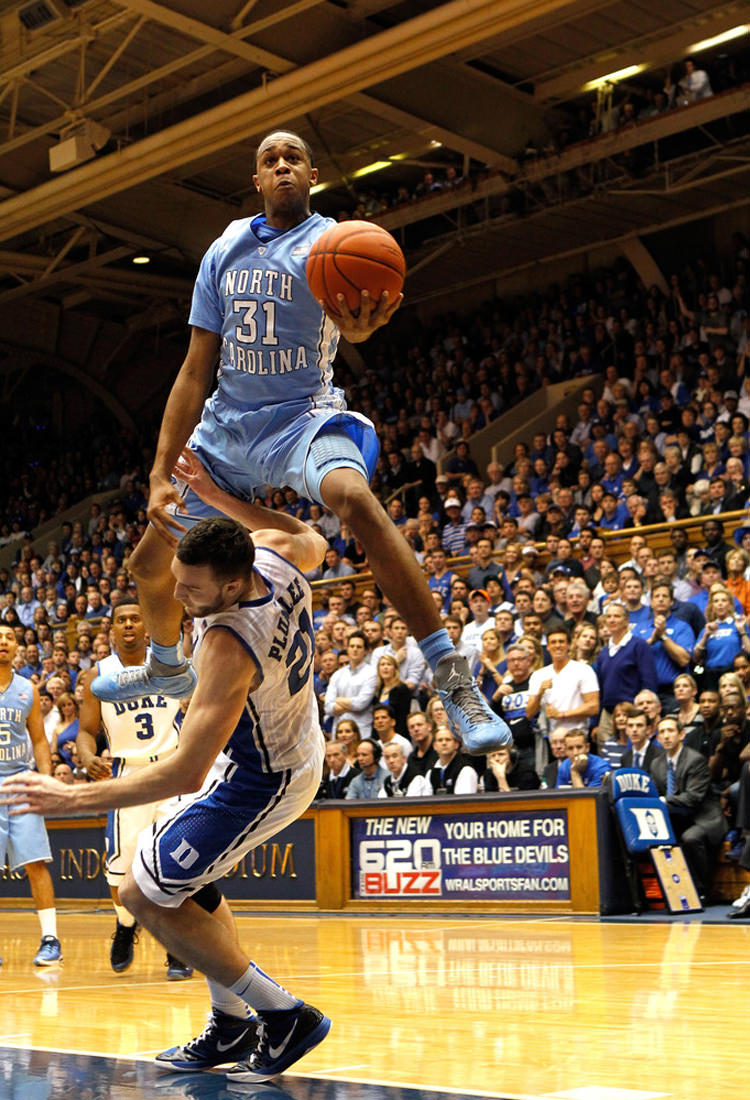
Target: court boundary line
312, 1076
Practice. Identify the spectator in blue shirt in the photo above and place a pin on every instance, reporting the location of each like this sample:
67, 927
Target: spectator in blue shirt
581, 769
671, 640
724, 637
453, 536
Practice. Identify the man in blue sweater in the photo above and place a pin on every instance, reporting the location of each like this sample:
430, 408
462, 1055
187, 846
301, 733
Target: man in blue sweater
624, 666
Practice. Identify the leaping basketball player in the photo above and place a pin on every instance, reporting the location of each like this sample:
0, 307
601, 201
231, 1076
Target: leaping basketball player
250, 753
276, 419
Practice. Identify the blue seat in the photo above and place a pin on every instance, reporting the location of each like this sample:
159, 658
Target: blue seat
642, 816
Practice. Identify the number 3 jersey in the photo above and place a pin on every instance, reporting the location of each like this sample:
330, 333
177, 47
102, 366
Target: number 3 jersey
279, 726
140, 730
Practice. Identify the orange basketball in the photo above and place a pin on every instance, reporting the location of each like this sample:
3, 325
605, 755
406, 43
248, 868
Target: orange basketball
351, 257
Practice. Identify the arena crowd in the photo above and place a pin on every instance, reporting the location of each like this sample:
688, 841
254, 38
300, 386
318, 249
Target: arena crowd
584, 657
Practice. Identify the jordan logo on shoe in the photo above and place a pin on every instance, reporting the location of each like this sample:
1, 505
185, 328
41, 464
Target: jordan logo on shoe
221, 1047
453, 679
275, 1052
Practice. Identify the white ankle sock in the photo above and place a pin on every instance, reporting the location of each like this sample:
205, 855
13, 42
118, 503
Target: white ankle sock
48, 921
262, 992
225, 1001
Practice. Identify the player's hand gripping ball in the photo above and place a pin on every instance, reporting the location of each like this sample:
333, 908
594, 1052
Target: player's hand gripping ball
351, 257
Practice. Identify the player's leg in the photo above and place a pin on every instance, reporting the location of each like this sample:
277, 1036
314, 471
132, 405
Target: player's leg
125, 936
167, 889
286, 1027
231, 1031
166, 672
43, 894
345, 491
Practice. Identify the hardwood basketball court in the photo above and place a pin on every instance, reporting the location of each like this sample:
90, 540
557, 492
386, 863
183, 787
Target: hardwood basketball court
550, 1007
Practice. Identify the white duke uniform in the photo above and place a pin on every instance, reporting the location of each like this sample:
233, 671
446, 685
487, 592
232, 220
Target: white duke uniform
274, 393
140, 732
271, 768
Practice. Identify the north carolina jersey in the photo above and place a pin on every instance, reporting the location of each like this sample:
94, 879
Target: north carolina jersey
277, 343
279, 727
15, 705
139, 730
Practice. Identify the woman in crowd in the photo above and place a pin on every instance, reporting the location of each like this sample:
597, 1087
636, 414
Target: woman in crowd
347, 731
615, 747
393, 693
66, 731
534, 649
584, 644
688, 713
487, 669
435, 714
737, 562
722, 639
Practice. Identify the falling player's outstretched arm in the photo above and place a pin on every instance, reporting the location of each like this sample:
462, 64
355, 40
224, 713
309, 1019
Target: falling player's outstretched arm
227, 674
89, 721
181, 414
290, 537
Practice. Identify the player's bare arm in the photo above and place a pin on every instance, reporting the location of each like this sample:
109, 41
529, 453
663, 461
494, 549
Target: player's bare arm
89, 721
227, 674
181, 414
39, 742
290, 537
358, 327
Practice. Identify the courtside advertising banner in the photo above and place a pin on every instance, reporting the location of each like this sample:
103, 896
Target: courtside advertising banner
513, 856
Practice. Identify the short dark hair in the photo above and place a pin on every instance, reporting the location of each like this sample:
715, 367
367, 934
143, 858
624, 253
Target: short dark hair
301, 140
126, 602
384, 706
221, 543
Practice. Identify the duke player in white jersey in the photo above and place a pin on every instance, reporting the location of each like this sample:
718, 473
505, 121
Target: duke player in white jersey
276, 419
23, 840
250, 748
139, 732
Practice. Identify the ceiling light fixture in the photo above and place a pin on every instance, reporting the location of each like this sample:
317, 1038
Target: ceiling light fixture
612, 78
726, 36
141, 259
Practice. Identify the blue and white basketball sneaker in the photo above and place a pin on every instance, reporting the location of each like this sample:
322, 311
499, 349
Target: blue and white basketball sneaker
283, 1038
49, 953
225, 1038
480, 729
149, 679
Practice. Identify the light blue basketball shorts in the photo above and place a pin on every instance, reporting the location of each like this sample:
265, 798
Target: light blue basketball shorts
23, 839
293, 444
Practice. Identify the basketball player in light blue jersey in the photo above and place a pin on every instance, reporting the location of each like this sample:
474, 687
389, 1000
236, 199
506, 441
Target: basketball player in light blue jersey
276, 419
23, 840
248, 762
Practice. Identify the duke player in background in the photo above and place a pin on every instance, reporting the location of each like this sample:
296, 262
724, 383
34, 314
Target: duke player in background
23, 840
276, 419
139, 732
251, 748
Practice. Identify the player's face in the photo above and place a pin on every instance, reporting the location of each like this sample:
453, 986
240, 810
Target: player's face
128, 628
198, 591
283, 173
8, 645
